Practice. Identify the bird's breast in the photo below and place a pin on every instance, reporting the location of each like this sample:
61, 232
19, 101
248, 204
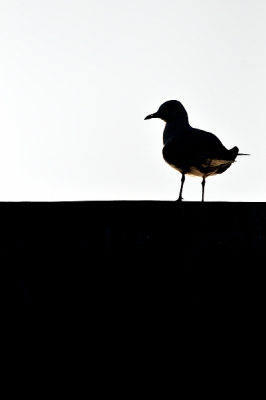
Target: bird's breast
175, 132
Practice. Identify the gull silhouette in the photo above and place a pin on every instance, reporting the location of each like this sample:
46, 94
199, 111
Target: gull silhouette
191, 151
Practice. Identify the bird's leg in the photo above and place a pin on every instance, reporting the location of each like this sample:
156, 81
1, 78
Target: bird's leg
182, 183
203, 186
203, 182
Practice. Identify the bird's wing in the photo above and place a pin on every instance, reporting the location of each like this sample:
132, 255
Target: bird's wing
194, 143
205, 139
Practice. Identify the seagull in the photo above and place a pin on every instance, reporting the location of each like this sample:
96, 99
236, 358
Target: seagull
191, 151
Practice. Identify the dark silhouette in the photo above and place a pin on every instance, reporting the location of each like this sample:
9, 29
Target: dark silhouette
73, 270
191, 151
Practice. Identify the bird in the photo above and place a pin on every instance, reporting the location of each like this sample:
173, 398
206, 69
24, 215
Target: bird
191, 151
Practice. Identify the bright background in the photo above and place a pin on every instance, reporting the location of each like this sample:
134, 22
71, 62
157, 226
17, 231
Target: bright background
77, 78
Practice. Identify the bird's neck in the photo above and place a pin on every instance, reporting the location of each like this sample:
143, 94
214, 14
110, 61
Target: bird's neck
173, 128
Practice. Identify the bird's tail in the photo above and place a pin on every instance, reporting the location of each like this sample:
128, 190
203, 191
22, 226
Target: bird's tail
233, 153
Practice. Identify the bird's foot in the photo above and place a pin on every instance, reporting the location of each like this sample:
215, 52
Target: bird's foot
179, 199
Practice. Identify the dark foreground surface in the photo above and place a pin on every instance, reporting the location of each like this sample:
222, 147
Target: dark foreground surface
141, 277
119, 294
60, 259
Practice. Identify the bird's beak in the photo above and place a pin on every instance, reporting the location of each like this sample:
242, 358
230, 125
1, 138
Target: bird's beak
155, 115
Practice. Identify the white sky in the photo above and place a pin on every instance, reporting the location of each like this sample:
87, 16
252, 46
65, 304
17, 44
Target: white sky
77, 78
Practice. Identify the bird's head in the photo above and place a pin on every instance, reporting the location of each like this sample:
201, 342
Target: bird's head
169, 111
